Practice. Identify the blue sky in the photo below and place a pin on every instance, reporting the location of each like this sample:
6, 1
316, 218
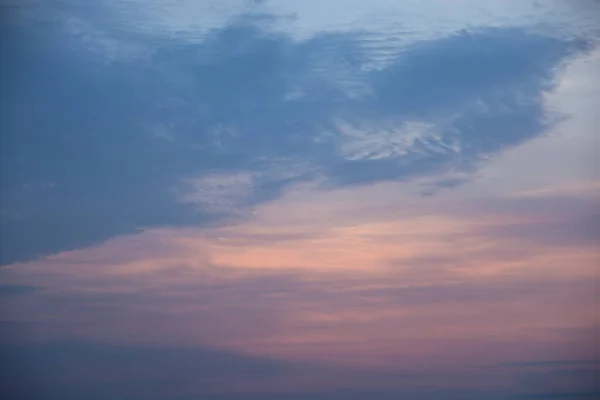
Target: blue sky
188, 162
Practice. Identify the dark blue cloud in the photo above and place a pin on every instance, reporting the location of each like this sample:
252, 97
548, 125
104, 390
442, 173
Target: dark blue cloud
74, 370
14, 290
80, 370
90, 150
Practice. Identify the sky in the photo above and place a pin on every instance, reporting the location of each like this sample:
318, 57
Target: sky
299, 199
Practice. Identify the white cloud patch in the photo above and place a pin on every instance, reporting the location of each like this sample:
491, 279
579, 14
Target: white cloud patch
357, 143
233, 193
222, 193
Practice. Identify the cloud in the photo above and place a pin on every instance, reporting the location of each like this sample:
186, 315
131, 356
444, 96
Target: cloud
407, 198
308, 277
357, 144
119, 141
407, 290
72, 370
15, 290
231, 194
75, 369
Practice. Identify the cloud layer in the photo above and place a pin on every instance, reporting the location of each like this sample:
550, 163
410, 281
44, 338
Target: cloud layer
269, 199
119, 141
